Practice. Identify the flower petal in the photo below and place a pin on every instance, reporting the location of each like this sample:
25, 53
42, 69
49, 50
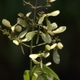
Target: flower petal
28, 14
48, 64
34, 56
6, 23
52, 0
16, 42
54, 13
41, 19
59, 30
53, 45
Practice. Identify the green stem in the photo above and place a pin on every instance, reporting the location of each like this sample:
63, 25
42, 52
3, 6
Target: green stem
31, 46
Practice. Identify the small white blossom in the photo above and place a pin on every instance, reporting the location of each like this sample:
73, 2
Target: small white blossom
16, 42
48, 64
60, 45
52, 0
28, 14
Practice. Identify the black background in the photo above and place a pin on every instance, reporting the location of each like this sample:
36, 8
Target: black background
13, 62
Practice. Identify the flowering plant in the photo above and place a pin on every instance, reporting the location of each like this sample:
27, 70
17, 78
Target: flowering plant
26, 29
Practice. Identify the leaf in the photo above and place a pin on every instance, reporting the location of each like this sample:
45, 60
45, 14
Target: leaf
42, 77
21, 22
46, 37
50, 73
22, 34
6, 23
26, 75
56, 57
59, 30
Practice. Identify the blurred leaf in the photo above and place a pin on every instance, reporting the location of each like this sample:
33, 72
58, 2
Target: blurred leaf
42, 77
26, 75
49, 73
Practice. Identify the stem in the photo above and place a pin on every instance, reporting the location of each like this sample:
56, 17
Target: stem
31, 46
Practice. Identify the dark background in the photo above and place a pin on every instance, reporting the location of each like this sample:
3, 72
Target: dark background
13, 62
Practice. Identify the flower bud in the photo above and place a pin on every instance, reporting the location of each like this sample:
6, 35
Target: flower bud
6, 23
47, 47
60, 45
54, 45
18, 28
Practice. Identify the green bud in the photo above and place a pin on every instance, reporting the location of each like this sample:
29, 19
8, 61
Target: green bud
47, 47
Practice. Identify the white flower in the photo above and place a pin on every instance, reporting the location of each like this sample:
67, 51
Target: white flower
52, 0
16, 42
54, 13
28, 14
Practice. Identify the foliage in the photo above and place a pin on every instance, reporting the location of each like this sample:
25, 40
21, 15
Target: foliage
23, 32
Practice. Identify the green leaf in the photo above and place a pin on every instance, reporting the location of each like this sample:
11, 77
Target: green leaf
50, 74
49, 70
26, 75
46, 37
42, 77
